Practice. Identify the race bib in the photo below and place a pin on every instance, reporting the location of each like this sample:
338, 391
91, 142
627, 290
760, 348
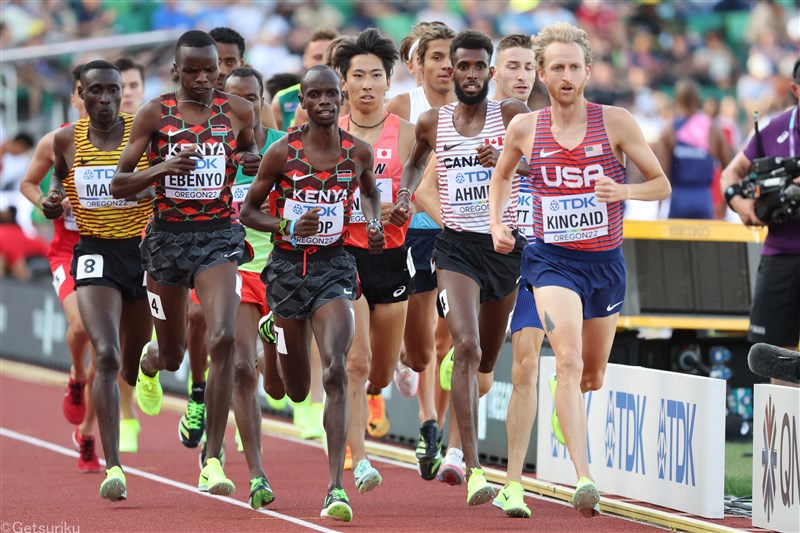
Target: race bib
525, 214
574, 217
69, 220
205, 182
239, 194
331, 221
59, 277
94, 188
90, 266
468, 191
384, 186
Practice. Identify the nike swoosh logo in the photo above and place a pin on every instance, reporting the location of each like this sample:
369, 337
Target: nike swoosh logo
171, 133
547, 154
297, 178
348, 291
611, 307
448, 147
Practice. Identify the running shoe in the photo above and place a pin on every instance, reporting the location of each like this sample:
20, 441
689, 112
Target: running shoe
554, 420
313, 428
266, 328
202, 456
74, 402
512, 501
300, 412
192, 425
129, 435
88, 462
367, 477
213, 480
378, 424
429, 450
406, 380
279, 404
148, 390
478, 489
348, 459
451, 472
337, 506
113, 486
446, 370
260, 493
586, 498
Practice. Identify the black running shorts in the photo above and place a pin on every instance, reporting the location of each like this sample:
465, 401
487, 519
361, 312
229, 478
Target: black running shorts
174, 253
775, 313
473, 255
298, 283
384, 278
421, 242
114, 263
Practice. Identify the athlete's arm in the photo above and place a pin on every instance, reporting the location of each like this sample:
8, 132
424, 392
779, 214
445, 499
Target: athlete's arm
415, 165
37, 170
400, 105
427, 196
126, 182
518, 143
244, 121
53, 204
624, 133
405, 142
370, 194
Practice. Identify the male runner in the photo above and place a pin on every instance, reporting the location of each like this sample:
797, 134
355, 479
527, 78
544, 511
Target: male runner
78, 408
477, 286
575, 266
366, 66
196, 136
310, 279
106, 264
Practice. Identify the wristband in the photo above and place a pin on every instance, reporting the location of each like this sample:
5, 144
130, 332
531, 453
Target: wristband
291, 232
375, 224
282, 226
403, 190
731, 192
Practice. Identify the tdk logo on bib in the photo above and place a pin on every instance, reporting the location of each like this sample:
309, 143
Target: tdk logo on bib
675, 450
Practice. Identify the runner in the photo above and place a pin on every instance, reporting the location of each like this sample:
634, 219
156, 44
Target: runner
575, 266
106, 264
380, 314
310, 279
477, 286
196, 137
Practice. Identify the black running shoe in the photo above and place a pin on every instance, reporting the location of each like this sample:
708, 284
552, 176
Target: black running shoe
429, 450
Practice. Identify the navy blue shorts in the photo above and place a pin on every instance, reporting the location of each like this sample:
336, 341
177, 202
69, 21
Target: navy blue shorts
525, 313
597, 277
421, 242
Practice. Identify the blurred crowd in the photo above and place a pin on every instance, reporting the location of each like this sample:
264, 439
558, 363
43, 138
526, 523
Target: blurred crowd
737, 53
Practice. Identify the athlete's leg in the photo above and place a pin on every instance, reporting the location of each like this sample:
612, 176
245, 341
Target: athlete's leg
216, 290
387, 324
273, 378
136, 329
358, 366
167, 354
560, 310
245, 400
598, 338
196, 342
77, 338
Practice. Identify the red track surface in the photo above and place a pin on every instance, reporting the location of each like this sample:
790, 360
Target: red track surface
42, 485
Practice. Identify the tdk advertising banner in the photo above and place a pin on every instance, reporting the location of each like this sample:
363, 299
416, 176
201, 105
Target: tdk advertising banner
655, 436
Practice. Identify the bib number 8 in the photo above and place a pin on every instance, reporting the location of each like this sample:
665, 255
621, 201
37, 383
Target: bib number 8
90, 266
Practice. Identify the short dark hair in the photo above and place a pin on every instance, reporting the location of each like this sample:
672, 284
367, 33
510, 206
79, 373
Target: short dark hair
126, 63
470, 40
247, 72
796, 71
97, 64
515, 40
228, 36
26, 139
314, 70
194, 39
369, 41
279, 82
76, 75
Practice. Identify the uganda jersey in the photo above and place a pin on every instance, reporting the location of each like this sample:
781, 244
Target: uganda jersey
388, 171
565, 209
463, 181
301, 188
206, 193
88, 187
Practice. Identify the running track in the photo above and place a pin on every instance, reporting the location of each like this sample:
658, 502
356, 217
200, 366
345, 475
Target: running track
40, 483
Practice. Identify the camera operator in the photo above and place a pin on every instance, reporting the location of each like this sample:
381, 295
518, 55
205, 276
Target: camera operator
775, 313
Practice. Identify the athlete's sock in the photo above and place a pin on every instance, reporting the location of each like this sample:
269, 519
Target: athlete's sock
199, 392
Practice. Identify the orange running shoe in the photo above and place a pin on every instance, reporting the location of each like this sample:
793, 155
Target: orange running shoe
378, 424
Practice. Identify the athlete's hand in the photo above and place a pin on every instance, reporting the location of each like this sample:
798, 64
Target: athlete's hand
53, 204
249, 163
308, 224
607, 190
502, 238
487, 155
746, 209
183, 163
386, 212
401, 211
376, 241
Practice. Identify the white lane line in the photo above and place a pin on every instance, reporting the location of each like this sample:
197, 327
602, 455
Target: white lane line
158, 479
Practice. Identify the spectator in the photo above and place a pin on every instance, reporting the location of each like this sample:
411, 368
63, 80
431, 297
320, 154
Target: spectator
715, 61
15, 246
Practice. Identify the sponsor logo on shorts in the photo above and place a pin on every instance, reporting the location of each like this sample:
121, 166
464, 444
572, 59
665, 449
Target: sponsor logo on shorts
399, 291
611, 307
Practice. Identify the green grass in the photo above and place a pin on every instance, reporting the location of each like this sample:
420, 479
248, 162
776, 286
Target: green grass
739, 468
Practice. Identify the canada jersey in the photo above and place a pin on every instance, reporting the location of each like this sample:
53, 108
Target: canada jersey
566, 211
388, 171
463, 181
206, 193
88, 187
301, 187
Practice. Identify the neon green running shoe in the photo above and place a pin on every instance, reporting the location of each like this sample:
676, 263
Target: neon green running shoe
266, 329
279, 404
446, 370
213, 480
260, 493
586, 498
192, 424
554, 420
113, 487
511, 500
337, 506
478, 489
129, 435
148, 390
